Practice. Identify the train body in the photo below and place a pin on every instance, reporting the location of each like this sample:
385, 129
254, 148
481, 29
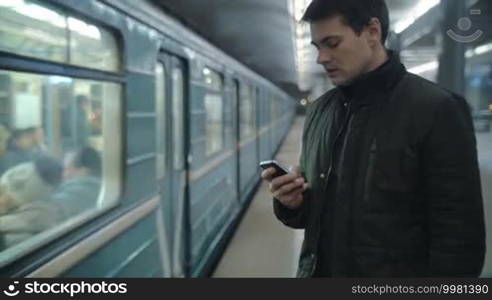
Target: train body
179, 127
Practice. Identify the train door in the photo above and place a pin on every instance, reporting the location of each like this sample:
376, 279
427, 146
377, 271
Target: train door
259, 112
236, 133
171, 164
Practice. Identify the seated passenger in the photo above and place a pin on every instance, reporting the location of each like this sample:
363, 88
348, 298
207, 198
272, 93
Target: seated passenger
82, 182
19, 149
25, 205
4, 138
39, 145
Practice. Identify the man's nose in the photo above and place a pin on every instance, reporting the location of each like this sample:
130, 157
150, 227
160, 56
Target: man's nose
323, 57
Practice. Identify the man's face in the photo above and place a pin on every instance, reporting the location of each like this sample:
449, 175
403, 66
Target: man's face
343, 54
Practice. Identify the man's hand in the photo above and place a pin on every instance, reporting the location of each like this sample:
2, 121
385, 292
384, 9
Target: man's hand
287, 189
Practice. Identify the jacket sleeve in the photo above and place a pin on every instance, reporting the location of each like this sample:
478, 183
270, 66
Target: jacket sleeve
294, 218
452, 189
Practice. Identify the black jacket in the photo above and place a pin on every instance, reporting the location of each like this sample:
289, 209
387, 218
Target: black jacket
395, 186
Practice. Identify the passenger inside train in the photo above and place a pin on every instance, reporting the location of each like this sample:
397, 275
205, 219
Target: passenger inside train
81, 182
25, 204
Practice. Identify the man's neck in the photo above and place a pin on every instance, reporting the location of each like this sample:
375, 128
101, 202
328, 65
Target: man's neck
380, 57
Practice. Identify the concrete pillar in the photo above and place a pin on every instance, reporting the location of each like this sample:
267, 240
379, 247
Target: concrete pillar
451, 73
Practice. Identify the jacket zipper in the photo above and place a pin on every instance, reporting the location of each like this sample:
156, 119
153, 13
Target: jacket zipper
348, 119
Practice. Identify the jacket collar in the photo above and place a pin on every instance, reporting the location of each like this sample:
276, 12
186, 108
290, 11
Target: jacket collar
380, 81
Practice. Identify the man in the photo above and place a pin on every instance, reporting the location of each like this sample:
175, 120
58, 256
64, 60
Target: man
389, 181
19, 148
81, 182
25, 206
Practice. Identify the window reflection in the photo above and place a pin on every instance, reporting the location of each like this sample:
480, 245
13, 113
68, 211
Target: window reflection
92, 46
35, 29
214, 112
27, 28
247, 117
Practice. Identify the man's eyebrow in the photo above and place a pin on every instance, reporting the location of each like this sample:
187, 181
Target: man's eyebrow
325, 40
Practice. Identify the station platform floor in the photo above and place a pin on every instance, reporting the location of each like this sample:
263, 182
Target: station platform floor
263, 247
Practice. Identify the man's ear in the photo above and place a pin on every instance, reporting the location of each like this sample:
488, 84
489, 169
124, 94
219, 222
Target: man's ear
374, 31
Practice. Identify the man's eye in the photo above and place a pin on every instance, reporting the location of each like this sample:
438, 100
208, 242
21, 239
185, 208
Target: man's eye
333, 45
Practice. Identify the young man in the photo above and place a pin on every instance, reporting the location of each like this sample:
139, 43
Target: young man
389, 182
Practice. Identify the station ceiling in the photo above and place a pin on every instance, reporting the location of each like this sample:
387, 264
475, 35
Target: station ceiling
260, 33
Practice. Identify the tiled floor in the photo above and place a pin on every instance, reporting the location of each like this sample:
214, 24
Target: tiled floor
262, 246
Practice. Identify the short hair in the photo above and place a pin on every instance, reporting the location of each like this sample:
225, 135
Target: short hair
355, 13
49, 169
88, 158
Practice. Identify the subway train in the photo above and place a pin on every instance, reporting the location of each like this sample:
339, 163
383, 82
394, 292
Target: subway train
129, 145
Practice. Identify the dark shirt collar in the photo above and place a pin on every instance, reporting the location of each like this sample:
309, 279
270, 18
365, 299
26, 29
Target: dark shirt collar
380, 80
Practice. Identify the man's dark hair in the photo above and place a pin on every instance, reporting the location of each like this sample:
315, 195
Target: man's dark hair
49, 169
355, 13
88, 158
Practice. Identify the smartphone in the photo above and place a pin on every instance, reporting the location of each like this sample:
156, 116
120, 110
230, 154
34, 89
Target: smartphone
274, 164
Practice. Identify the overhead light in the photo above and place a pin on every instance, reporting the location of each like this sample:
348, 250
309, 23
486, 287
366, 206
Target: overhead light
430, 66
420, 9
483, 49
479, 50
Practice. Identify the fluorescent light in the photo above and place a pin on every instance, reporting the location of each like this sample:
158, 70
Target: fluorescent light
483, 49
479, 50
418, 11
430, 66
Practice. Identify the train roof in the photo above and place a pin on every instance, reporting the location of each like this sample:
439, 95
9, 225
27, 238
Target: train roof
153, 16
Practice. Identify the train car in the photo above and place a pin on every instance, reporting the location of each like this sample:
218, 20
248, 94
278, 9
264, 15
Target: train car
129, 145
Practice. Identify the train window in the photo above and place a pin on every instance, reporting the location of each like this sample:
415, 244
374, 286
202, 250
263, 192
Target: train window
92, 46
28, 28
56, 171
214, 124
178, 124
247, 116
32, 29
160, 98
